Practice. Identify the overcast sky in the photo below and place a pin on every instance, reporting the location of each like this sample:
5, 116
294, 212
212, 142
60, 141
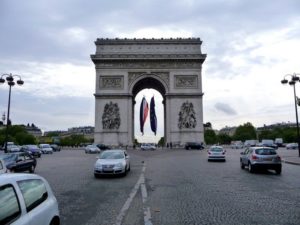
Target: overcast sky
250, 46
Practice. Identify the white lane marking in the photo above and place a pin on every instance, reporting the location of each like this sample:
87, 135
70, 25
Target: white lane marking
147, 213
126, 206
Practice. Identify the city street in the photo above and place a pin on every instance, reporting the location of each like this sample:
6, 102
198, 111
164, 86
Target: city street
171, 187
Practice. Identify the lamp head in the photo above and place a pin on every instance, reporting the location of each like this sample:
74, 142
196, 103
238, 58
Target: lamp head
20, 82
2, 80
295, 78
9, 78
284, 81
292, 82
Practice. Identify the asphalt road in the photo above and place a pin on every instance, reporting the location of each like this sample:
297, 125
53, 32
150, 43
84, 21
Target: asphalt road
171, 187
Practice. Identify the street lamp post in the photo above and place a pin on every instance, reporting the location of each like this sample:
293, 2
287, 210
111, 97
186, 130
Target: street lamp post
10, 82
294, 78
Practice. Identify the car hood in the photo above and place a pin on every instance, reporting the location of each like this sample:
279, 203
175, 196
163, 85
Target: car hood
109, 161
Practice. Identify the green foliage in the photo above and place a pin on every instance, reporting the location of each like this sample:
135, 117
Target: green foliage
23, 138
74, 140
161, 142
245, 132
210, 137
224, 139
18, 135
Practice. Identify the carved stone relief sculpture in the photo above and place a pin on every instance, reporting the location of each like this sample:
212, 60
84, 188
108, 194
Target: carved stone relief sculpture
186, 81
111, 116
187, 116
115, 82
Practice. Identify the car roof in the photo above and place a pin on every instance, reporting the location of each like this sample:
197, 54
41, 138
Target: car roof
114, 150
261, 147
13, 177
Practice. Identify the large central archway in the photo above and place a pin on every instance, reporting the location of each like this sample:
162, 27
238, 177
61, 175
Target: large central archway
126, 66
148, 81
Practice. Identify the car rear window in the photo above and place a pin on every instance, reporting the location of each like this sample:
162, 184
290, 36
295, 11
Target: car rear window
9, 204
216, 149
265, 151
34, 192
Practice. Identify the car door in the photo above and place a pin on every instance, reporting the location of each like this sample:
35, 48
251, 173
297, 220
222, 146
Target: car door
28, 161
20, 162
244, 156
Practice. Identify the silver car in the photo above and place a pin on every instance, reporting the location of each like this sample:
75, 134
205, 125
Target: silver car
112, 162
91, 149
216, 153
27, 199
260, 158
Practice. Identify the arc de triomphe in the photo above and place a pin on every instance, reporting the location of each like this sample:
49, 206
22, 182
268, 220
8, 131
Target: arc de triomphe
124, 67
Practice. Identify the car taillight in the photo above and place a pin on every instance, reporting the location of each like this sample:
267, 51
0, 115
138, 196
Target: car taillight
254, 157
278, 158
209, 152
223, 152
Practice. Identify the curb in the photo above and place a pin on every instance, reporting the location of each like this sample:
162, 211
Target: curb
290, 162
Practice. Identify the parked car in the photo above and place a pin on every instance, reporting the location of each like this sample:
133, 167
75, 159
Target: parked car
112, 162
34, 150
292, 146
91, 149
55, 147
3, 168
102, 146
216, 153
237, 145
260, 158
19, 162
27, 199
46, 148
193, 145
146, 146
250, 143
13, 148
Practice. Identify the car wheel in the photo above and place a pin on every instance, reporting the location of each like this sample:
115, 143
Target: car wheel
96, 175
242, 165
278, 171
128, 168
12, 170
250, 168
31, 170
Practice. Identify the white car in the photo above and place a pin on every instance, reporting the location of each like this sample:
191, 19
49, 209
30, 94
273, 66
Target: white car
112, 162
46, 149
3, 168
27, 199
216, 153
13, 148
148, 147
91, 149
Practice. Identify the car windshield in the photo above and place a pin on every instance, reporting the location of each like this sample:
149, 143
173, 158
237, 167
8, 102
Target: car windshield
111, 155
33, 147
265, 151
216, 149
45, 146
8, 157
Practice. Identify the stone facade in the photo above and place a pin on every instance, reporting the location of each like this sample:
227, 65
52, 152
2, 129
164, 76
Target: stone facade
124, 67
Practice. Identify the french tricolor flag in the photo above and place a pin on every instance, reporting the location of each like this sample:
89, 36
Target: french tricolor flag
143, 114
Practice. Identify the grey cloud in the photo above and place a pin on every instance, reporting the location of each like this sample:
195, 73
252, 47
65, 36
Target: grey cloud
225, 108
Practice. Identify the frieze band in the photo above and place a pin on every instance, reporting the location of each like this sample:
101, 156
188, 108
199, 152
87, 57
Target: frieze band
111, 82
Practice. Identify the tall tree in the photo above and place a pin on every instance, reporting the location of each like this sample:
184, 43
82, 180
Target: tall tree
245, 132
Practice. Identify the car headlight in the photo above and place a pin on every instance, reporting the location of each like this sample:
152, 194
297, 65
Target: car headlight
119, 165
98, 166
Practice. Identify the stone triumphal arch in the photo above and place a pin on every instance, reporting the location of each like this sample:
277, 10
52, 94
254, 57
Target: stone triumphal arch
126, 66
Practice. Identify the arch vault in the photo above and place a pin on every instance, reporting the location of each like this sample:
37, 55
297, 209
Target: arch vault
126, 66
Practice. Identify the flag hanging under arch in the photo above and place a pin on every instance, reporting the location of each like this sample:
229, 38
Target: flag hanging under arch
153, 119
143, 114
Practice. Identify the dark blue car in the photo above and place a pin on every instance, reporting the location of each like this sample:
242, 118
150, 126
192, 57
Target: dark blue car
19, 162
34, 150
